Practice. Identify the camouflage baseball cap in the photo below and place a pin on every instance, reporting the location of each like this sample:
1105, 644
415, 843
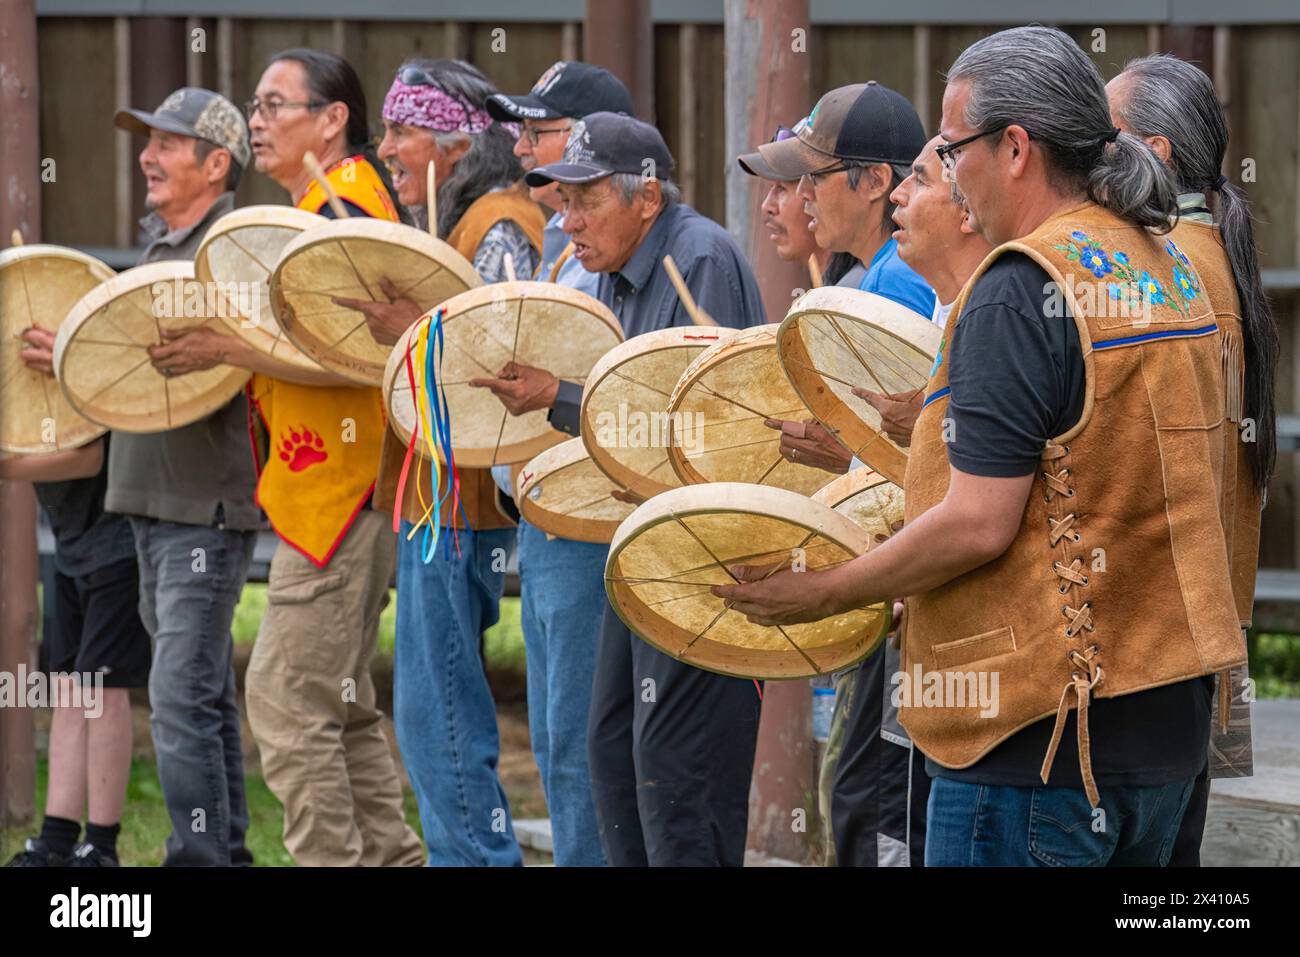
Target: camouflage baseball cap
192, 111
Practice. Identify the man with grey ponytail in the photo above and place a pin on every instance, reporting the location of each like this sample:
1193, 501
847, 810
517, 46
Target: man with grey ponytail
1065, 549
1172, 106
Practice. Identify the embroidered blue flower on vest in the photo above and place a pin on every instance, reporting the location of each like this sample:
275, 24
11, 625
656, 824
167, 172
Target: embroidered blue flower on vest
1094, 259
1186, 285
1151, 289
1135, 291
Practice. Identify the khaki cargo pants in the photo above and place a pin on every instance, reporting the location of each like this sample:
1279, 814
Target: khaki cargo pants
311, 705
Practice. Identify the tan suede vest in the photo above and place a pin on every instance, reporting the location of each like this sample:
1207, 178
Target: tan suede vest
478, 493
1241, 500
1118, 579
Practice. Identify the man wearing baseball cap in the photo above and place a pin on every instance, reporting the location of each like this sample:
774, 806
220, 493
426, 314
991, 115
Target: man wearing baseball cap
562, 582
671, 747
565, 93
189, 495
849, 155
851, 152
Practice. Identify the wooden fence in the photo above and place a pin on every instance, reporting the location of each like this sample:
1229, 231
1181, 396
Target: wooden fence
89, 67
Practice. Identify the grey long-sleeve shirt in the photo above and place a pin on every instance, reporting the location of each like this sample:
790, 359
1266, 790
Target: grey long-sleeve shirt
643, 298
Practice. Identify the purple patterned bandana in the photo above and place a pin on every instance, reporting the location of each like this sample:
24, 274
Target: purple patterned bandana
433, 109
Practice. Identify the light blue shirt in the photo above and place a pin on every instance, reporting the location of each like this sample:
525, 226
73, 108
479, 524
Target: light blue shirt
888, 276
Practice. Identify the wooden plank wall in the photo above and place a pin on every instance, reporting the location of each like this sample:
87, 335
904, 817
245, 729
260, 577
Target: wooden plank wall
96, 196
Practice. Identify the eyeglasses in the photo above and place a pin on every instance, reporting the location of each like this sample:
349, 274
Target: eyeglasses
816, 176
948, 152
270, 108
532, 134
782, 133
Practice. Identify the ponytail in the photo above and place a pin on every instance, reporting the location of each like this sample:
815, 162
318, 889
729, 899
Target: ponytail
1133, 184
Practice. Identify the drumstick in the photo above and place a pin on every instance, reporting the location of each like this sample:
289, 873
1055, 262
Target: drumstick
313, 166
814, 270
431, 187
510, 267
16, 238
698, 315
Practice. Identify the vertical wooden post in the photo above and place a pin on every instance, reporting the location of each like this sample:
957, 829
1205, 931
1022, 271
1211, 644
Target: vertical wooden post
687, 147
569, 41
922, 76
767, 85
123, 167
226, 58
193, 57
619, 36
20, 165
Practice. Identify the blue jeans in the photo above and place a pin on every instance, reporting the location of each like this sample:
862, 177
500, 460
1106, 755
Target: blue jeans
973, 825
442, 706
190, 581
563, 598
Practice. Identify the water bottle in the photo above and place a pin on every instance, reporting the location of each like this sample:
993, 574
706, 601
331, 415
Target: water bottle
823, 707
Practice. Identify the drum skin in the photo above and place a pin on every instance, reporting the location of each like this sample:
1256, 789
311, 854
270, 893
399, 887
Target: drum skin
39, 285
667, 555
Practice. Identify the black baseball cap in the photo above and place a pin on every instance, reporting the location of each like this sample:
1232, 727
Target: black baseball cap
569, 89
865, 122
605, 143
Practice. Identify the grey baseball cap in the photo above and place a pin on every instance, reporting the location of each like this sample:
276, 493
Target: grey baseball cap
193, 111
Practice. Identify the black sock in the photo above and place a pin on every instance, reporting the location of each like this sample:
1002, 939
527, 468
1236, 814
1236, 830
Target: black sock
59, 834
103, 837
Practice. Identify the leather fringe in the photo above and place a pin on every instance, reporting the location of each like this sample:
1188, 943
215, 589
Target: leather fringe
1234, 374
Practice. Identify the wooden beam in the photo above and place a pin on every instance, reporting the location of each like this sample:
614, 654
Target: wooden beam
569, 40
922, 75
193, 58
123, 168
768, 74
20, 165
226, 58
688, 136
619, 36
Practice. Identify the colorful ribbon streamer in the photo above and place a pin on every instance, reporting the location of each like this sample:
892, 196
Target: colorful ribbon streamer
432, 422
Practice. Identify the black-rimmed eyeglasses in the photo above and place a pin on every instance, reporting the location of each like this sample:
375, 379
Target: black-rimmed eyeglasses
948, 152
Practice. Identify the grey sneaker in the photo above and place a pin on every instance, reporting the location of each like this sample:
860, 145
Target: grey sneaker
37, 853
88, 855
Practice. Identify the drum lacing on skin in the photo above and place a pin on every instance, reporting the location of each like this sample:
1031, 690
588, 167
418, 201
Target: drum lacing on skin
1087, 673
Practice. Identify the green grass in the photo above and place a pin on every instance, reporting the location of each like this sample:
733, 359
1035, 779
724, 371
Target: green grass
503, 645
145, 824
1275, 665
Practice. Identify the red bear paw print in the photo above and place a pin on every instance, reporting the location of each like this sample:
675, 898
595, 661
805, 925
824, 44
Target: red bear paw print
302, 449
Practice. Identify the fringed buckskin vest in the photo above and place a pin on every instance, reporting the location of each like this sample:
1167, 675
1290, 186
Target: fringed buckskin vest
1120, 577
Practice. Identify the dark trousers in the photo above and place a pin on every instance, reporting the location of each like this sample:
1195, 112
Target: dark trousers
1187, 845
671, 750
881, 788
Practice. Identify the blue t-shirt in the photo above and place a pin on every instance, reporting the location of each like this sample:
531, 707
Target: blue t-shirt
888, 276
